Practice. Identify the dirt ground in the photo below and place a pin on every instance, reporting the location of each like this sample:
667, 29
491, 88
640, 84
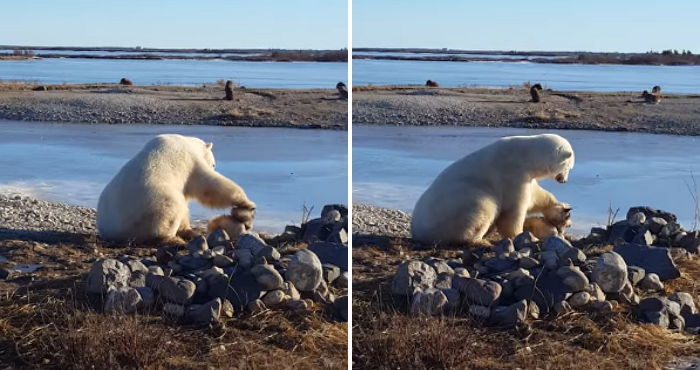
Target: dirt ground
103, 103
511, 107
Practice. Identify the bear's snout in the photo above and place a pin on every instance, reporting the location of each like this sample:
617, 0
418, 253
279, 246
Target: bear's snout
561, 178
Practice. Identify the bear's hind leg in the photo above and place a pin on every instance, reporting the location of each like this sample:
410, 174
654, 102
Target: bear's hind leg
185, 230
510, 222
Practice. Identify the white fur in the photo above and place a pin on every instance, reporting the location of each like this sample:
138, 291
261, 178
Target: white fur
495, 186
147, 199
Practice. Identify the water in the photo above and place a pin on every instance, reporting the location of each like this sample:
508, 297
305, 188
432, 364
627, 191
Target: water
392, 166
296, 75
280, 169
463, 55
581, 77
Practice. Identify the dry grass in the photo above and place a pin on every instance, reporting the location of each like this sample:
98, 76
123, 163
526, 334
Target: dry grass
49, 322
384, 336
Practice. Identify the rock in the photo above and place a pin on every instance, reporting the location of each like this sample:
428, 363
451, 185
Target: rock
123, 300
343, 280
269, 253
193, 262
174, 310
655, 224
504, 246
524, 240
106, 275
430, 302
573, 278
443, 281
685, 300
267, 277
528, 262
556, 244
596, 293
251, 242
256, 306
155, 270
691, 242
198, 244
218, 237
227, 308
340, 208
330, 272
498, 264
137, 279
659, 318
453, 299
221, 260
651, 259
412, 276
317, 230
653, 304
635, 274
305, 270
643, 238
241, 288
297, 305
461, 271
332, 253
439, 265
561, 308
341, 308
481, 292
204, 314
651, 282
651, 213
509, 316
5, 274
620, 231
480, 312
176, 290
603, 307
610, 272
136, 266
573, 255
147, 297
274, 298
244, 257
636, 219
291, 291
579, 299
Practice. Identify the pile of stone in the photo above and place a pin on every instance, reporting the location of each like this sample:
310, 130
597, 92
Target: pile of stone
527, 278
214, 276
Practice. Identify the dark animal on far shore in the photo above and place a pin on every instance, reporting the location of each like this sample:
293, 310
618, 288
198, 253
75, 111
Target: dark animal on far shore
651, 98
535, 93
342, 90
656, 90
229, 90
431, 83
125, 82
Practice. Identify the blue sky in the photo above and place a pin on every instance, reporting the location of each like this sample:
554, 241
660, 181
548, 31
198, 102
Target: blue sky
591, 25
297, 24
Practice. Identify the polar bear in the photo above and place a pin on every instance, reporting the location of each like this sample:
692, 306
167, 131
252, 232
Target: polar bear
147, 199
496, 186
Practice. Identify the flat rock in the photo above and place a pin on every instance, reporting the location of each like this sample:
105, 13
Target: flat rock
332, 253
655, 260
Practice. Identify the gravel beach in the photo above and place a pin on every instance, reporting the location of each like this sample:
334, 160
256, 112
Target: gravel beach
115, 104
510, 107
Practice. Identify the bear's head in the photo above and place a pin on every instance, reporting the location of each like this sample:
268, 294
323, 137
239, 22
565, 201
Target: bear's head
554, 155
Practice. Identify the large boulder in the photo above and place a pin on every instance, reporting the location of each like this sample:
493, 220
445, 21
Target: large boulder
413, 276
331, 253
655, 260
106, 275
610, 272
305, 270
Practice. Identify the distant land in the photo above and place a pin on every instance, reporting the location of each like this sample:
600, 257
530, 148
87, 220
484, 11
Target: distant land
665, 57
18, 52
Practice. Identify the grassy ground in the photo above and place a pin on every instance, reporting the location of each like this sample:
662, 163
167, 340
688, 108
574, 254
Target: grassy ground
384, 336
47, 321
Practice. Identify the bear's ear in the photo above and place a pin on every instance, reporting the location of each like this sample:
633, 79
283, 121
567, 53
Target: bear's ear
210, 145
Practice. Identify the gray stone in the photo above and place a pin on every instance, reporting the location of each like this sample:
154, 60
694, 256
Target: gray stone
685, 300
481, 292
221, 260
453, 299
573, 278
644, 237
343, 280
579, 299
504, 246
305, 270
443, 281
227, 308
218, 237
429, 302
556, 244
461, 271
174, 310
256, 306
267, 277
651, 259
290, 290
653, 304
655, 224
203, 314
244, 257
524, 240
659, 318
330, 272
341, 306
439, 265
413, 276
610, 272
480, 312
251, 242
193, 262
297, 305
198, 244
498, 265
136, 265
155, 270
340, 208
620, 231
635, 274
562, 307
106, 275
651, 282
137, 279
509, 316
123, 300
596, 293
333, 253
275, 298
603, 307
636, 219
171, 289
147, 297
528, 262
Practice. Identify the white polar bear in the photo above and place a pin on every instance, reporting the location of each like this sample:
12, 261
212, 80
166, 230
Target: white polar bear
494, 186
147, 199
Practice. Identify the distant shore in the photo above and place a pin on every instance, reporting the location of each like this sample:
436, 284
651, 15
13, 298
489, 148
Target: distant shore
187, 105
511, 107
